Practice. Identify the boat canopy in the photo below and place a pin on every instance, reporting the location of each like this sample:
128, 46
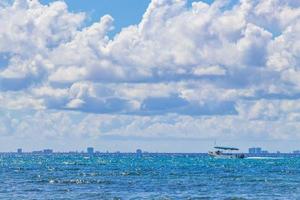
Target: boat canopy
227, 148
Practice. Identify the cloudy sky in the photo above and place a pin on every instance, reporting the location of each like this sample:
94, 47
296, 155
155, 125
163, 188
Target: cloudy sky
161, 75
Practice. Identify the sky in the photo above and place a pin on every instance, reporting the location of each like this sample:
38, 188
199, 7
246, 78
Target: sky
160, 75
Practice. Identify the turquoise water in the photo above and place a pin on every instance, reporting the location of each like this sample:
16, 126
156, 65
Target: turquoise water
147, 177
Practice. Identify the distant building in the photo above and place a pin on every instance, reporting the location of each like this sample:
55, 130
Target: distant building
19, 151
264, 152
251, 150
255, 150
90, 150
47, 151
139, 151
258, 150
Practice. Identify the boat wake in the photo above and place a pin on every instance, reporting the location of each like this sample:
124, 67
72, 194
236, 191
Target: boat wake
264, 158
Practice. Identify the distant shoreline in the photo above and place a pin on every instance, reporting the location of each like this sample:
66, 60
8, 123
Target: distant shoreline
148, 153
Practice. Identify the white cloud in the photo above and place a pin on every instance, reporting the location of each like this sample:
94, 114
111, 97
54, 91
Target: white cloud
75, 104
29, 41
68, 74
19, 101
211, 60
284, 50
211, 70
78, 127
253, 46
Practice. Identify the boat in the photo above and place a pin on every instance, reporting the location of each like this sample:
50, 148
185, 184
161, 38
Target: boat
226, 152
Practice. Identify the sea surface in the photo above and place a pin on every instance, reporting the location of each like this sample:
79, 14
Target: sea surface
151, 176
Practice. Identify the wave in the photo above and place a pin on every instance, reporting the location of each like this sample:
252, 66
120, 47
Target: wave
264, 158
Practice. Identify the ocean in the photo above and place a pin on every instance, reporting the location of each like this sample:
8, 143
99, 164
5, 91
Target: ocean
150, 176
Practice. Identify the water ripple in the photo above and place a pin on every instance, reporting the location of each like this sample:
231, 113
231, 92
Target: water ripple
153, 176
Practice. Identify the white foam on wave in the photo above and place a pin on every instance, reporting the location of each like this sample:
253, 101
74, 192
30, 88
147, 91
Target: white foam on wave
264, 158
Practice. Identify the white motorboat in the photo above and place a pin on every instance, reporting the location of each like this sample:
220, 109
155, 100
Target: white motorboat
226, 152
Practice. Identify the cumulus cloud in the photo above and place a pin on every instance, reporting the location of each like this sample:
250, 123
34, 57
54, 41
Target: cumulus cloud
210, 60
58, 126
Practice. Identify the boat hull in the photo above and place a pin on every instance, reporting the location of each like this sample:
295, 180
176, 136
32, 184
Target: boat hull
226, 156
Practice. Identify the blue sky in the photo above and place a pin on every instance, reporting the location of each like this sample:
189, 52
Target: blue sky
125, 12
161, 75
